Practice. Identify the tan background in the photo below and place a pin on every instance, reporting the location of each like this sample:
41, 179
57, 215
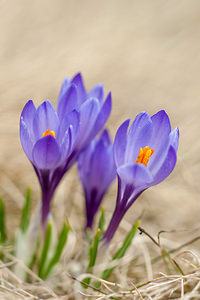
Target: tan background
146, 52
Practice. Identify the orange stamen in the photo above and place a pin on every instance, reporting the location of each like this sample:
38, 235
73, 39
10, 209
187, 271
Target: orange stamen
48, 132
144, 155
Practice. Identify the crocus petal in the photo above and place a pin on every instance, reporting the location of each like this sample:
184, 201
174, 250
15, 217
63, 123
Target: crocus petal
174, 138
166, 168
78, 81
66, 145
161, 129
102, 116
99, 160
96, 166
68, 101
84, 163
120, 143
105, 137
88, 114
159, 154
138, 136
65, 85
26, 141
72, 119
97, 92
46, 153
137, 175
27, 115
45, 118
112, 168
132, 181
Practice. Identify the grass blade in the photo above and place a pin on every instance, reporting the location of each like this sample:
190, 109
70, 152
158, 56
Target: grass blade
58, 251
2, 222
120, 253
94, 250
102, 220
26, 212
45, 249
92, 255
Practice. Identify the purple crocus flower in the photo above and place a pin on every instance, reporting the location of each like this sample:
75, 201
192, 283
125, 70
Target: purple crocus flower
53, 140
144, 156
97, 171
48, 143
93, 111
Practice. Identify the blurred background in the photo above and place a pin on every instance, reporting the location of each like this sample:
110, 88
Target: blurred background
146, 52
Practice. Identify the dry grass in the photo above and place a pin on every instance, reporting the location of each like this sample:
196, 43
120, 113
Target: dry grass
147, 54
143, 273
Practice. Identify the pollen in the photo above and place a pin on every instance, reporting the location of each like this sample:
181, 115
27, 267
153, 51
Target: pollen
144, 155
48, 132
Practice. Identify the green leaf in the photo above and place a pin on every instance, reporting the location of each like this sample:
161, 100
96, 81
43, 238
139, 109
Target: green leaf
93, 249
45, 249
58, 251
120, 253
93, 246
102, 219
26, 212
2, 222
89, 236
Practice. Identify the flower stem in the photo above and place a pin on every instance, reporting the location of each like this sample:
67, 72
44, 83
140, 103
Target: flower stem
46, 199
114, 223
